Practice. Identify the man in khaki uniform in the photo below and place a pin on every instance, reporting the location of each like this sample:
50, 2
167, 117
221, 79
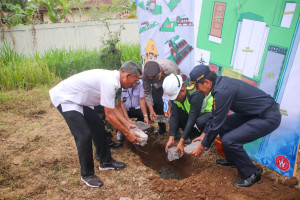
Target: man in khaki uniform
153, 76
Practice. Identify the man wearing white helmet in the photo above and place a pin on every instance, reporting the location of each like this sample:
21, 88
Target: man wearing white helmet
188, 108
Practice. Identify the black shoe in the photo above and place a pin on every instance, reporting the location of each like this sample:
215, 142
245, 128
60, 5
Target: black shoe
225, 162
92, 181
97, 157
120, 136
253, 179
188, 141
159, 131
113, 165
115, 145
259, 171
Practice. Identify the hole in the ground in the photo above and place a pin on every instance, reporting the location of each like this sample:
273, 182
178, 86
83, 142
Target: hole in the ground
153, 155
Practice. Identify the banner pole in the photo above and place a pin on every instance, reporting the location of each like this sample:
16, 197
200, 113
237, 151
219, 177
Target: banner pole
296, 165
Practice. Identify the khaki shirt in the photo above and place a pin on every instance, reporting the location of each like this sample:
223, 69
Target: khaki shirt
168, 67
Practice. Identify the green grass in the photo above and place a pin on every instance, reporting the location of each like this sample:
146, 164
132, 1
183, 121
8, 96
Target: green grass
20, 72
7, 54
68, 62
131, 52
24, 74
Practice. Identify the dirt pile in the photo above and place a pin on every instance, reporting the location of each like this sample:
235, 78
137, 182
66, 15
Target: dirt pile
201, 178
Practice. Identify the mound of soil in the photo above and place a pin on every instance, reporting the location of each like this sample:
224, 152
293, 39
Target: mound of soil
38, 160
201, 178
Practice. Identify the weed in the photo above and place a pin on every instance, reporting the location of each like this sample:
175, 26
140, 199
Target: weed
20, 197
75, 181
60, 169
110, 54
12, 186
26, 162
4, 98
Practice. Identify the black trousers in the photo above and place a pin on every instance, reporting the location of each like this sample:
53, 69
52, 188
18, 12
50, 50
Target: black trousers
200, 122
158, 104
136, 113
239, 130
86, 129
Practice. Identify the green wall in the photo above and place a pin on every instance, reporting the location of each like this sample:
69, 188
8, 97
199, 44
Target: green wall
269, 11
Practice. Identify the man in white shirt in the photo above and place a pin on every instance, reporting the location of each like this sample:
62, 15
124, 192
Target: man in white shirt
75, 99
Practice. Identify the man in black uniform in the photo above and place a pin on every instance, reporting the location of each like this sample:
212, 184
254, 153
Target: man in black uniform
256, 114
188, 108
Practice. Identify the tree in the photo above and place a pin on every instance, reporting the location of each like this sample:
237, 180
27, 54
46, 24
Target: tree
22, 3
11, 15
14, 12
57, 9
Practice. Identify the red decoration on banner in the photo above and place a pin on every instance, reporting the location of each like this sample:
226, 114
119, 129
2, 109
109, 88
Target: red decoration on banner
214, 68
282, 163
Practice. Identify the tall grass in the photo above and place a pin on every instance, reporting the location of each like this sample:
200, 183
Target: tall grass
130, 52
24, 74
21, 72
7, 54
68, 62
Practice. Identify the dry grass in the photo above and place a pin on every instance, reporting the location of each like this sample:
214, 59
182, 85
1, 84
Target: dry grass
38, 157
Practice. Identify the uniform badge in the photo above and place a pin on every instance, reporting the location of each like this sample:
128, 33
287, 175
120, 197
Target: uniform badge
214, 104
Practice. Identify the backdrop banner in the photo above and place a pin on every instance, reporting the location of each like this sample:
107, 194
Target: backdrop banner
254, 41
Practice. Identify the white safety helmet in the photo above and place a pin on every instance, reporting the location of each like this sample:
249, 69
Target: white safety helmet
172, 85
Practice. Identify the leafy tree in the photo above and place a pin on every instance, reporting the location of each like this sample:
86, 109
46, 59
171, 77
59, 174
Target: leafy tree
11, 15
22, 3
57, 9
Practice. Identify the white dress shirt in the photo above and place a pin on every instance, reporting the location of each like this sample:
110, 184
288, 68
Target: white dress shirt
89, 88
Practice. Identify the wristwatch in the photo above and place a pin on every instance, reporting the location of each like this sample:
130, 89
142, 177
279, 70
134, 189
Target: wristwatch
145, 116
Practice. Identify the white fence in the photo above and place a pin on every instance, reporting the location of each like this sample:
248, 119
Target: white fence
67, 35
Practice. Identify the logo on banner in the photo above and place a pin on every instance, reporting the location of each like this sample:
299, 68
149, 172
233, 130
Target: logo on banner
282, 163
